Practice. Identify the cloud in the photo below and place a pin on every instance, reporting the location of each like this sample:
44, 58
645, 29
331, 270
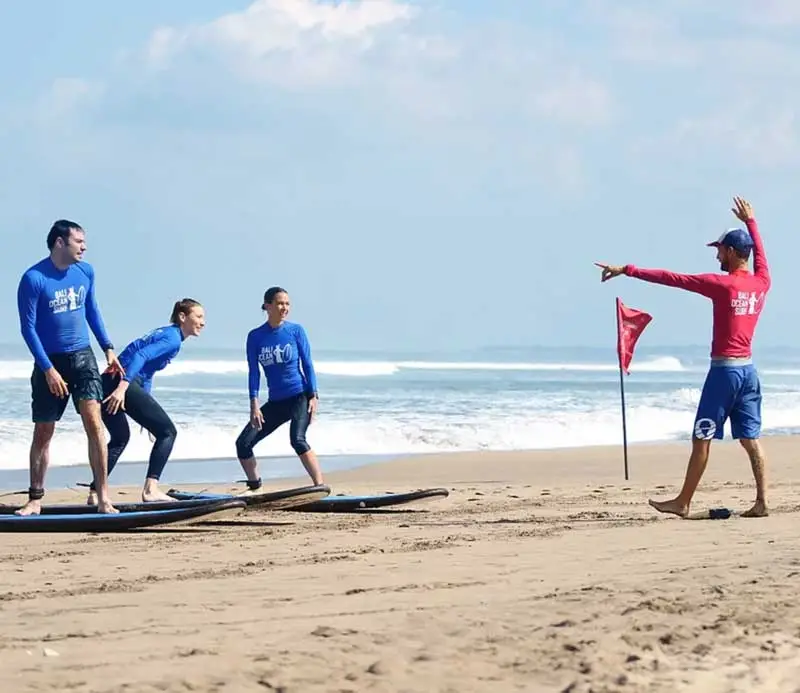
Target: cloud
718, 72
772, 13
254, 87
290, 42
391, 53
770, 141
66, 97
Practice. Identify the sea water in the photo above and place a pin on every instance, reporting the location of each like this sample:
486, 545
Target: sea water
373, 406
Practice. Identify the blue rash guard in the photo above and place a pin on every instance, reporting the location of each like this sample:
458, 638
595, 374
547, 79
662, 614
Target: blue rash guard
280, 351
143, 357
56, 308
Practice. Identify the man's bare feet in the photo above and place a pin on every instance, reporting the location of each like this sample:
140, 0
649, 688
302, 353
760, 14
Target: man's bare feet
32, 507
106, 507
91, 499
759, 509
153, 493
671, 506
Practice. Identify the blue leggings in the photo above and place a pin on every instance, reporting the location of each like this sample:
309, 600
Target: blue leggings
277, 413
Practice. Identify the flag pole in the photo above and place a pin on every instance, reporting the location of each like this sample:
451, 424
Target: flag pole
622, 397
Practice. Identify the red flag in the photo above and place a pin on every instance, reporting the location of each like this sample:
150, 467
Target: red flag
630, 325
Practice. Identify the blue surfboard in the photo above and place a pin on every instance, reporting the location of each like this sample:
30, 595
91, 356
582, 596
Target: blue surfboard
346, 504
268, 500
123, 521
140, 506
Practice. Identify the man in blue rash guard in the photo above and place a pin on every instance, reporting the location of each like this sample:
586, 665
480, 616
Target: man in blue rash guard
130, 393
57, 306
280, 348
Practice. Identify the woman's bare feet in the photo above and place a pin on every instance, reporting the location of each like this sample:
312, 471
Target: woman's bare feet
32, 507
671, 506
759, 509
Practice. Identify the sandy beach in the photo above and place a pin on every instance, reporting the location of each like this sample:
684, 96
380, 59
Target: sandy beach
542, 571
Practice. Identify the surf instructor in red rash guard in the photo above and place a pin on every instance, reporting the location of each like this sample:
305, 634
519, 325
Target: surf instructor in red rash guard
732, 389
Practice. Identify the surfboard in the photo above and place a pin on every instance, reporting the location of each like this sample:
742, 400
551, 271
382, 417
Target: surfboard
124, 521
344, 504
141, 506
268, 500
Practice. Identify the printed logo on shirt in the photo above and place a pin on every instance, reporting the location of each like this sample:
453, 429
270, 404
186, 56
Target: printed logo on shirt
746, 303
270, 355
68, 300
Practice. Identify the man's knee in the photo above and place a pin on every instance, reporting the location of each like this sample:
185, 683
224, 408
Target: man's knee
43, 433
750, 444
89, 410
701, 447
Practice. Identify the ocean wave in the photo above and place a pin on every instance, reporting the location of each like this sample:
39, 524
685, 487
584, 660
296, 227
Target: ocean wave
14, 370
409, 431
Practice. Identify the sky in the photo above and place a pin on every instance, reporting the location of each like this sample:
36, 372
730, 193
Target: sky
418, 175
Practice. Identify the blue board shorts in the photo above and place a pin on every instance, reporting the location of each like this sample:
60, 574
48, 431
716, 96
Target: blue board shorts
729, 392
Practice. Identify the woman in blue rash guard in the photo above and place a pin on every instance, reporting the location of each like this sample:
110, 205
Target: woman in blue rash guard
130, 394
281, 349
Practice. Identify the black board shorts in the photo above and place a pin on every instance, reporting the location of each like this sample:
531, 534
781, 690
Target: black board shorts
80, 372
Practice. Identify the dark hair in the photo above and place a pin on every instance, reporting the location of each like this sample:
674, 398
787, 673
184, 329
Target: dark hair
742, 254
61, 229
271, 293
184, 306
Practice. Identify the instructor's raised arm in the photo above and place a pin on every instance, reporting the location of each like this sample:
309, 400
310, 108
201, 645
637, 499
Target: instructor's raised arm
744, 211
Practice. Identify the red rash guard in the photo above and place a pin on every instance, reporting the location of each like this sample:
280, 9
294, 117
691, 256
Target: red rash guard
738, 298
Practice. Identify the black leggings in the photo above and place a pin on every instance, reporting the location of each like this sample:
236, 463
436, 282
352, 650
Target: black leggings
145, 411
277, 413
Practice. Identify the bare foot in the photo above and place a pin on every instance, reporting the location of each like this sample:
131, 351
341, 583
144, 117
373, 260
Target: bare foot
106, 507
759, 509
91, 499
154, 494
32, 507
670, 506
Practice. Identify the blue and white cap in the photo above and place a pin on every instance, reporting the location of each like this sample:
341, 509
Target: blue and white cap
738, 239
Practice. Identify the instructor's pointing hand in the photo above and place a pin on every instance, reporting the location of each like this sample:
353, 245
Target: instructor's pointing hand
609, 271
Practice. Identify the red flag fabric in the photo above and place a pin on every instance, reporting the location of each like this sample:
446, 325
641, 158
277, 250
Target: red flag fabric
630, 325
